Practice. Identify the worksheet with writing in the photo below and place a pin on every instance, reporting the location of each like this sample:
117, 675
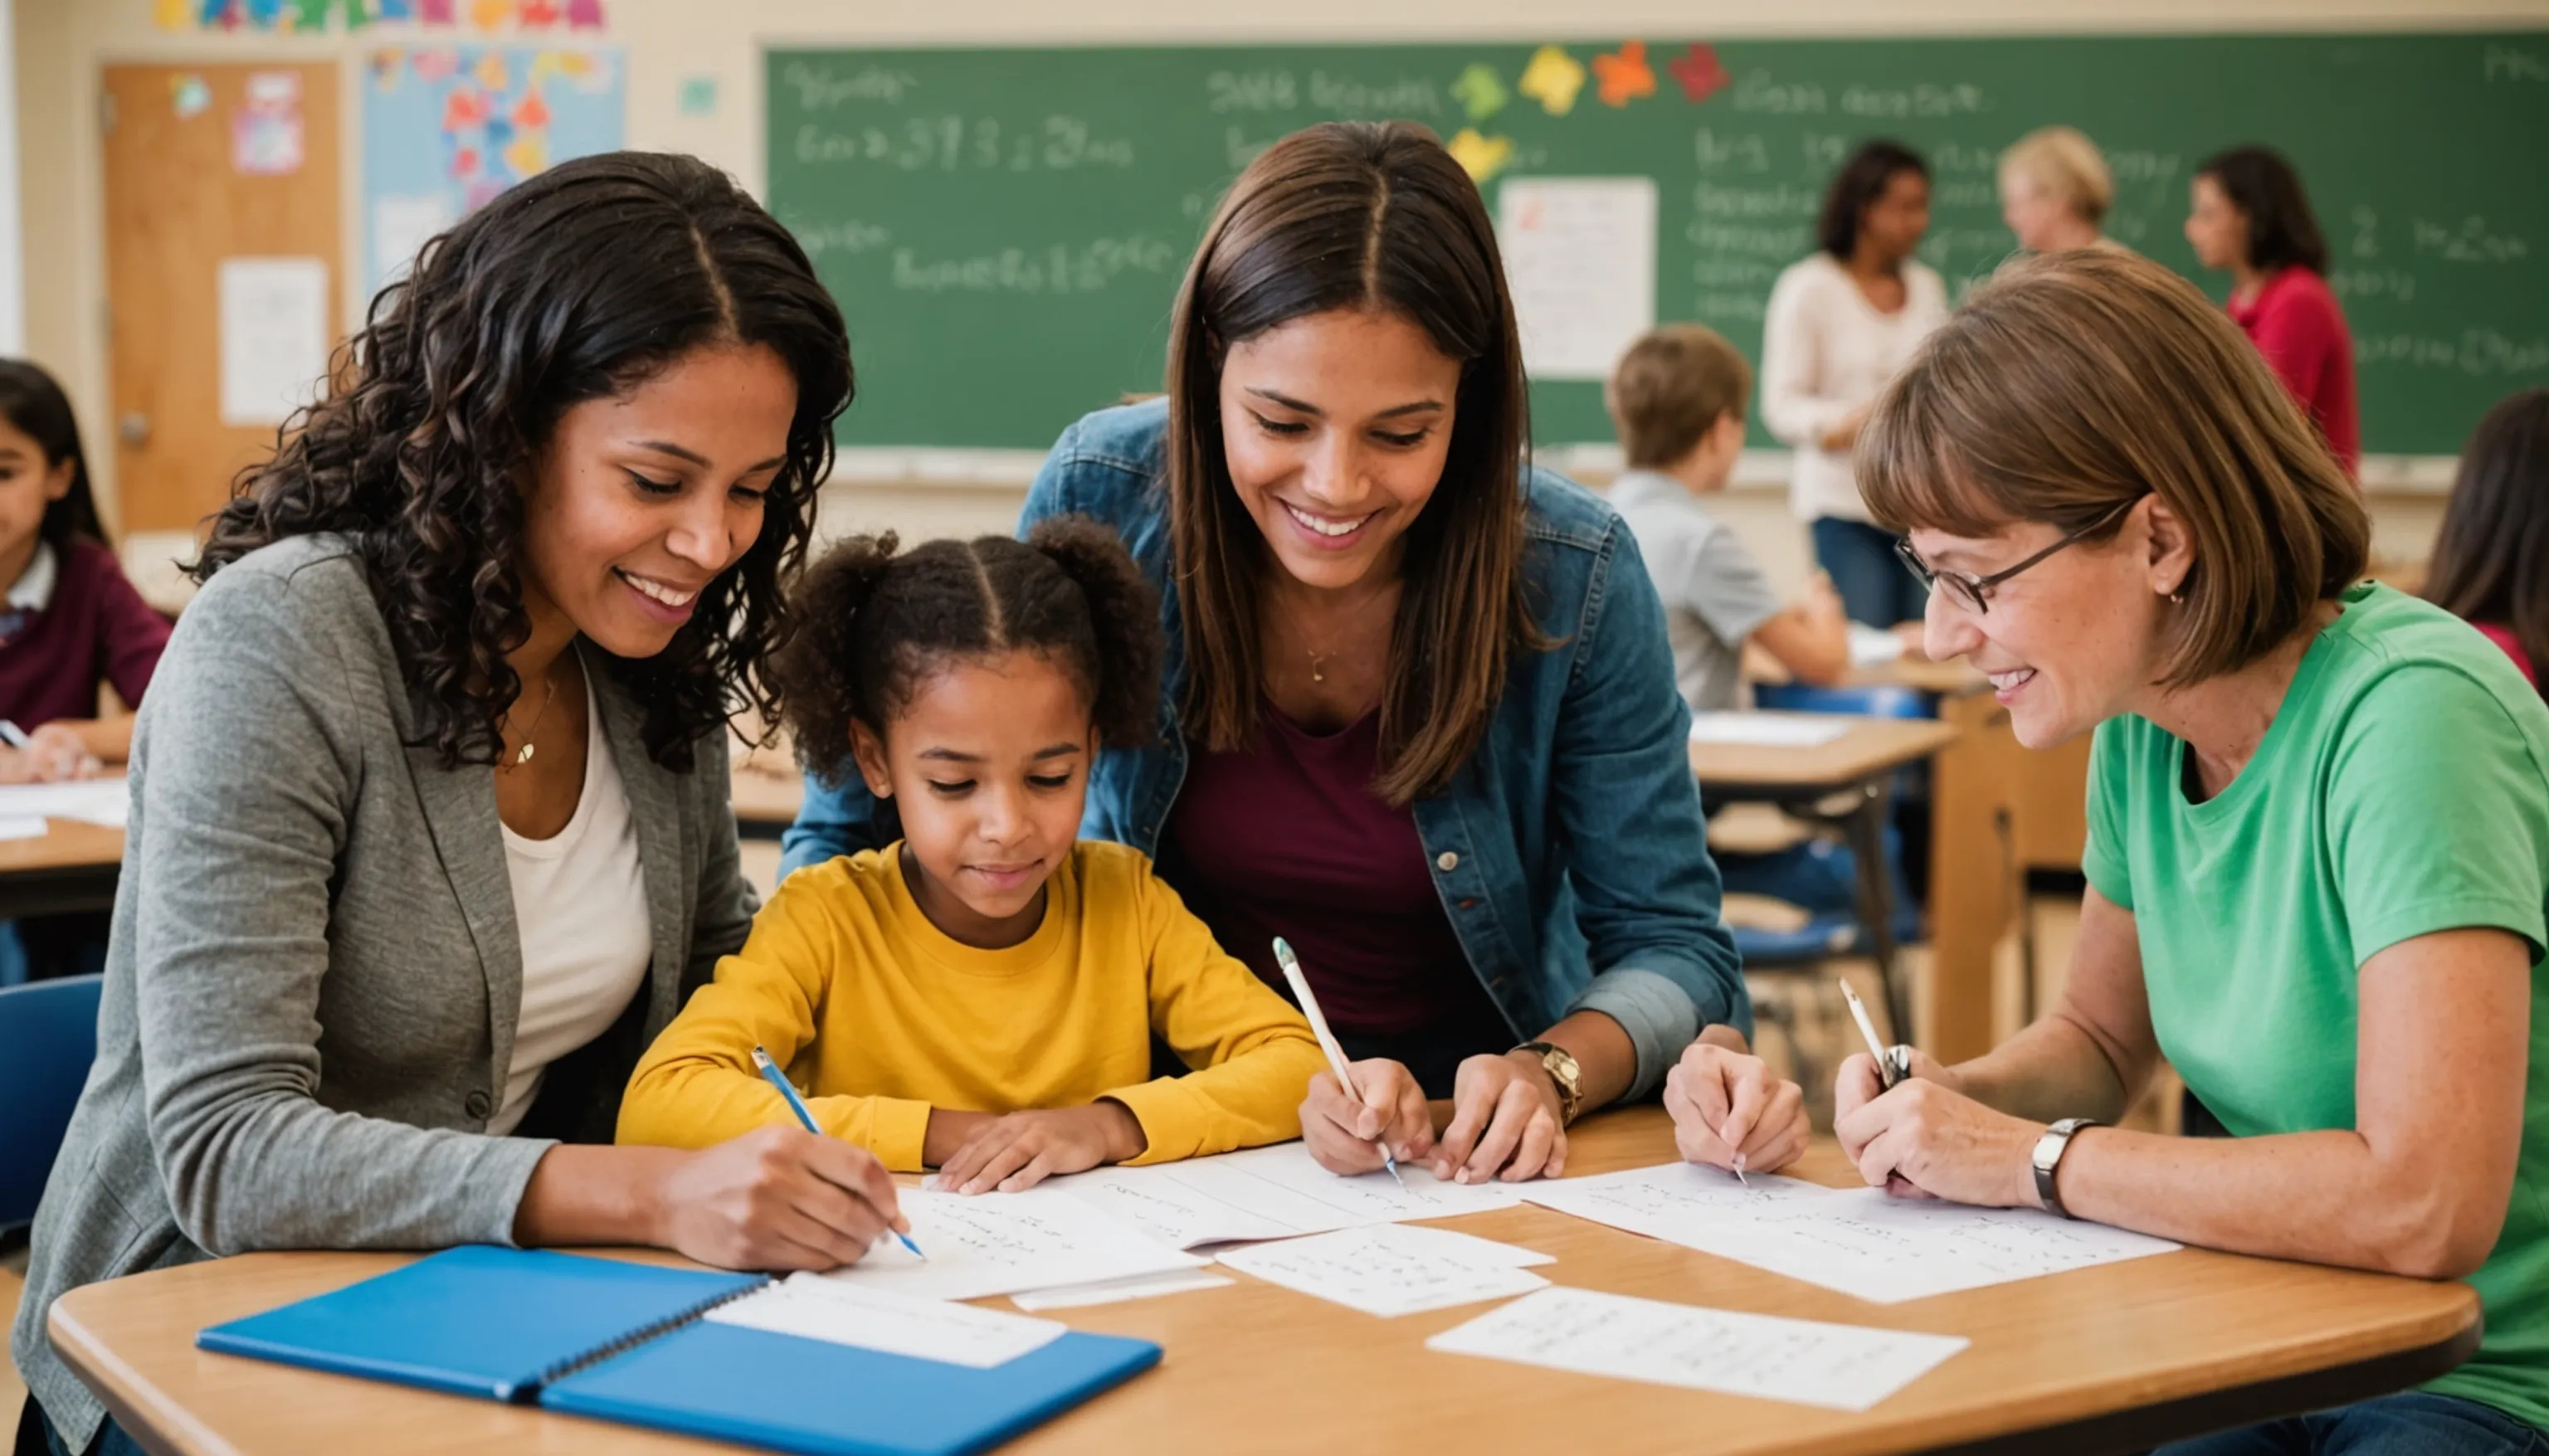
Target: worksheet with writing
1275, 1192
813, 1307
1003, 1242
1858, 1241
1843, 1367
1391, 1269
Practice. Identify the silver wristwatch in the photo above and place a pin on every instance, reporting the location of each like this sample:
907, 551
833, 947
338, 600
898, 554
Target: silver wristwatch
2048, 1156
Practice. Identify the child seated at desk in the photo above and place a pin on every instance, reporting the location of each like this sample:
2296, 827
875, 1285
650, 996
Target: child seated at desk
2491, 563
981, 996
1677, 399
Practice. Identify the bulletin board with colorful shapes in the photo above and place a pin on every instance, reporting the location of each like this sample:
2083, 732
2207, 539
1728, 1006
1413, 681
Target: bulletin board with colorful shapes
484, 17
445, 128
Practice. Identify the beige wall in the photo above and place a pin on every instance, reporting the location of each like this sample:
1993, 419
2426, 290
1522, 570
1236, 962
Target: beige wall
61, 44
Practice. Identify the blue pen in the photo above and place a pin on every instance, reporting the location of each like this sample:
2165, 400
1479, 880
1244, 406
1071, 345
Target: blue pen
771, 1073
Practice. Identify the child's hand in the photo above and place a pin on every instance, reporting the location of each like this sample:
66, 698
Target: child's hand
780, 1198
1345, 1133
1017, 1152
56, 754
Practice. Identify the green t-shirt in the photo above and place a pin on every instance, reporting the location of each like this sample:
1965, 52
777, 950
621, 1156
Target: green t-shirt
2403, 789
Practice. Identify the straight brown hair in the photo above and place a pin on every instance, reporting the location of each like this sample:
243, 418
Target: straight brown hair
1358, 215
2076, 383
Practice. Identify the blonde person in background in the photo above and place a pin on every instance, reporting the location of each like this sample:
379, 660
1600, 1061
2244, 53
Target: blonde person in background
2055, 190
1839, 324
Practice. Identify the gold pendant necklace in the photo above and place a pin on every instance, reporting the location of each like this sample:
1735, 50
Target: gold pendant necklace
523, 755
1319, 665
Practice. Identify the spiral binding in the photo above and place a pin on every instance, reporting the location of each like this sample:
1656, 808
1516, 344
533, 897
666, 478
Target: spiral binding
632, 1340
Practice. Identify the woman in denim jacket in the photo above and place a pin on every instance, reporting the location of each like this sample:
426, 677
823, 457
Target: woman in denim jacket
1419, 716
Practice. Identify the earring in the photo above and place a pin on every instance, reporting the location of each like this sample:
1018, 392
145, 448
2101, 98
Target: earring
2177, 597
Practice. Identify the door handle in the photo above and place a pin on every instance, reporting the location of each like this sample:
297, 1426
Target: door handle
133, 428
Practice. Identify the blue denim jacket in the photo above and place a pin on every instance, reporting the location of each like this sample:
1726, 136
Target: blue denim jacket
1570, 853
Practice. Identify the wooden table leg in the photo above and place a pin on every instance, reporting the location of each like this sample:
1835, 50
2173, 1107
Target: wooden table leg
1970, 903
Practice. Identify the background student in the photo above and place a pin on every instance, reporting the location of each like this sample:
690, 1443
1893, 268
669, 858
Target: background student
2491, 565
70, 621
1677, 399
1838, 325
2054, 191
980, 996
2248, 215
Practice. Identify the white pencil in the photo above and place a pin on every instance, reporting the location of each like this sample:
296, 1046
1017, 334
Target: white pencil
1326, 1041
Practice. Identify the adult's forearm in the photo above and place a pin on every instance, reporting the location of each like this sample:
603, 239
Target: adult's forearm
1606, 1061
2052, 1069
580, 1195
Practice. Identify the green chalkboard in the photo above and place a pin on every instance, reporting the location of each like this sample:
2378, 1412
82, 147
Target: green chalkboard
1005, 229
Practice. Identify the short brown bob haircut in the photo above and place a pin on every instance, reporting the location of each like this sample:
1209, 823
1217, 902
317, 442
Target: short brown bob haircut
2078, 382
1358, 215
1670, 388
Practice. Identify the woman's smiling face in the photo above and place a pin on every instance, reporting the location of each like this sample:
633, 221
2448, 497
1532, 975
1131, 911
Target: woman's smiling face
1335, 427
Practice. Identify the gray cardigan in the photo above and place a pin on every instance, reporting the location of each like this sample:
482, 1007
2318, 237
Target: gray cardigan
314, 974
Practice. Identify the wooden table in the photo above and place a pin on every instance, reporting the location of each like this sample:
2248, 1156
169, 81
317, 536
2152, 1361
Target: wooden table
2105, 1359
1857, 767
73, 865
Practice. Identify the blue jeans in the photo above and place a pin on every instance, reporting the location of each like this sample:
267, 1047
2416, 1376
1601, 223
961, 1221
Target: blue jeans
1876, 587
2411, 1423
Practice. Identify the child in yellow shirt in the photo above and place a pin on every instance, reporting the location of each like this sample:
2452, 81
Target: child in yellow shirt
981, 996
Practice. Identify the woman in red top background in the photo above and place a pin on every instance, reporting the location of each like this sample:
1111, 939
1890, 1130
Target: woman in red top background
69, 619
2491, 565
2249, 216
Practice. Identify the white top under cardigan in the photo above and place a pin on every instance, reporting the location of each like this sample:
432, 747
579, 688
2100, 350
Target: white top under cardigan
1825, 350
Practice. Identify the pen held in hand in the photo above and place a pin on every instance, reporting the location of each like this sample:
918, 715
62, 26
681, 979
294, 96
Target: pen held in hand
771, 1073
1300, 985
1890, 1069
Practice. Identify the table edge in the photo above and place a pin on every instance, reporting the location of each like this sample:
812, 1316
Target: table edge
161, 1427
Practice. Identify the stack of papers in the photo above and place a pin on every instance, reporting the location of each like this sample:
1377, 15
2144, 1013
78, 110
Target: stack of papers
93, 801
1278, 1192
1840, 1366
1392, 1269
1004, 1242
1856, 1240
1767, 730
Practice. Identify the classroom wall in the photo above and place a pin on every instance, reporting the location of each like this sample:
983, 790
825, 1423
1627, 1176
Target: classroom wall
61, 44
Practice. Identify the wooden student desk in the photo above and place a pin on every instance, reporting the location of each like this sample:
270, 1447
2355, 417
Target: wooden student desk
73, 865
2105, 1359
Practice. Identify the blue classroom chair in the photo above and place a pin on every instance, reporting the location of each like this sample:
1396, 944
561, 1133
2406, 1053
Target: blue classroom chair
48, 1038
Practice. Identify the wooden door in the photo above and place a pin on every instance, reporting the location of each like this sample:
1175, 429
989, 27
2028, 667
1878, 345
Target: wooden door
199, 170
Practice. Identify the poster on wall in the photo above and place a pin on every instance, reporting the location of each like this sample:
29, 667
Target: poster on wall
485, 17
445, 128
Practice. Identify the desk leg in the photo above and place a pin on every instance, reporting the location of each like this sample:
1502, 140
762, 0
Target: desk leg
1865, 828
1969, 875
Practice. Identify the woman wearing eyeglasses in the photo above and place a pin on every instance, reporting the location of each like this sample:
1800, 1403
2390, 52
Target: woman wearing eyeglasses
2318, 833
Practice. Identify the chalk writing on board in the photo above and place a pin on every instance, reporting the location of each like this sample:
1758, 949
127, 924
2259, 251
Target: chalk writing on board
1060, 143
2482, 352
1924, 100
2131, 167
1719, 152
2505, 63
2470, 240
1760, 91
1401, 96
2372, 283
846, 236
1712, 307
1712, 200
1745, 240
821, 88
1733, 273
1250, 91
1061, 269
1964, 192
2367, 233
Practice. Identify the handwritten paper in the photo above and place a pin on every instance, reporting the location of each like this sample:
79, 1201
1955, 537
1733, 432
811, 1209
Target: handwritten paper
1278, 1192
274, 337
1767, 730
1581, 259
1839, 1366
90, 801
1003, 1243
1389, 1269
17, 826
813, 1307
1116, 1291
1857, 1241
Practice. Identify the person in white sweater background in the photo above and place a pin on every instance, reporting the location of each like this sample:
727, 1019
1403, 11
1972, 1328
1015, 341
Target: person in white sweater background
1839, 324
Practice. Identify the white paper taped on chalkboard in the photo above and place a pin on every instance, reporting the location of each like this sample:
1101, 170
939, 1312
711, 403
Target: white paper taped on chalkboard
1580, 258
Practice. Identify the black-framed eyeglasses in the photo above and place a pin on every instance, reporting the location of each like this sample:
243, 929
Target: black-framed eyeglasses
1972, 592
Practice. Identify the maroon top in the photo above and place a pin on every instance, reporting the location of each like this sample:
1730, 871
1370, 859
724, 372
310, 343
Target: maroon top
96, 628
1288, 839
2504, 637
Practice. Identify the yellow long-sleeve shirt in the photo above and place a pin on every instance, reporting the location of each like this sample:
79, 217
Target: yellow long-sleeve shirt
849, 986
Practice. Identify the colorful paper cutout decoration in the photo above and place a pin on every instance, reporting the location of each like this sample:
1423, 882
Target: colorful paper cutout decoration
1552, 78
527, 156
531, 113
265, 132
1624, 76
1701, 74
1480, 92
491, 71
699, 96
538, 15
391, 9
491, 15
584, 15
436, 12
436, 63
463, 109
1479, 156
188, 96
174, 15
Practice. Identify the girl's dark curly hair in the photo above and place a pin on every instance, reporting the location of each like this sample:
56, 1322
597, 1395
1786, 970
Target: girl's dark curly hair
577, 284
875, 624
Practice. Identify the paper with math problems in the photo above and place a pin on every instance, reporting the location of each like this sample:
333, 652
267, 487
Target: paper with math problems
1392, 1269
1116, 1291
1278, 1192
813, 1307
1003, 1242
1858, 1241
91, 801
1843, 1367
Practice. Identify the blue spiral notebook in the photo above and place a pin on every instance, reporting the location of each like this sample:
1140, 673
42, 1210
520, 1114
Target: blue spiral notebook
624, 1342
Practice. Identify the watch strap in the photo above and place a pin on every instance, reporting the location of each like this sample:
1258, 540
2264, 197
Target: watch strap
1563, 1074
2047, 1159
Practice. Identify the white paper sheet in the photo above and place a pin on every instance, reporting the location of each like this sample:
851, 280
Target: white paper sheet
1003, 1243
401, 226
1581, 259
1856, 1240
21, 827
813, 1307
1276, 1192
90, 801
1840, 1366
1116, 1291
274, 337
1871, 647
1390, 1271
1769, 730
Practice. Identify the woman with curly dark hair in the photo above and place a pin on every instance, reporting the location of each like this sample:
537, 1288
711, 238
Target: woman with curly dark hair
980, 997
430, 829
